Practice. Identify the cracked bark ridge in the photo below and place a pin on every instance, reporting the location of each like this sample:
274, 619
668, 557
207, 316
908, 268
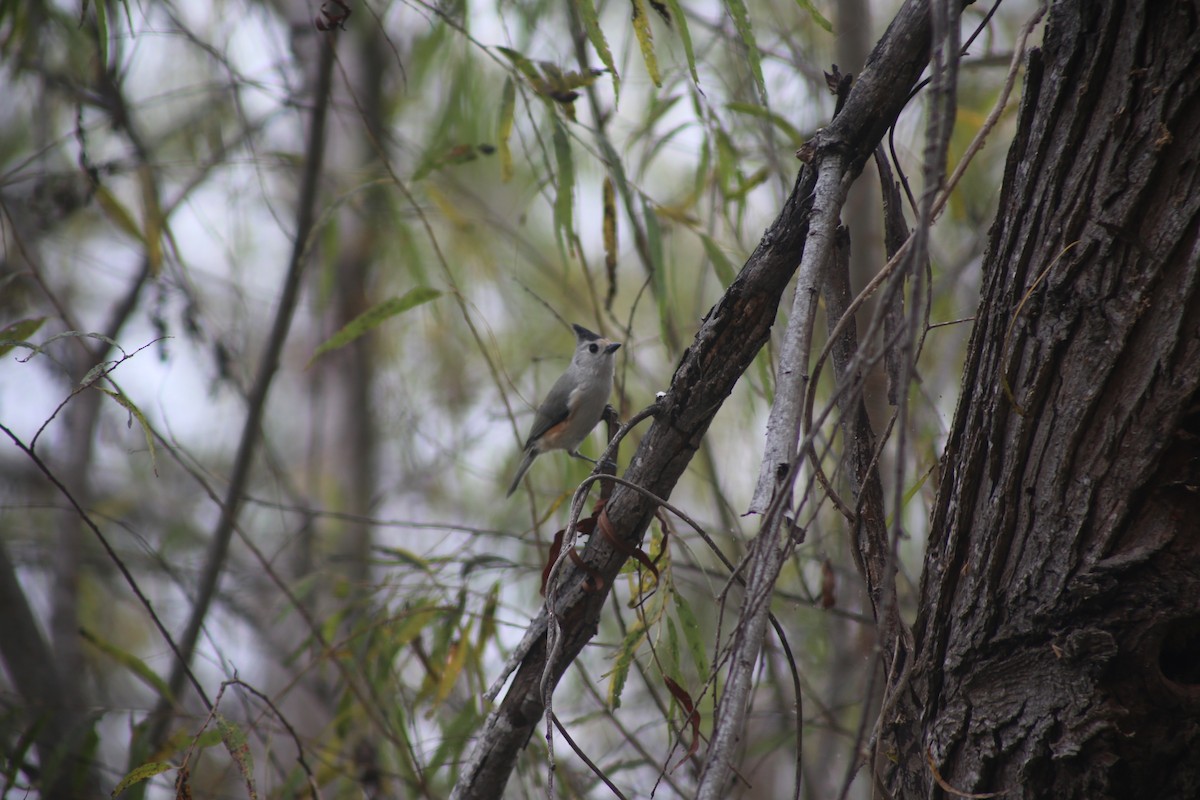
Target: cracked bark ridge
1059, 636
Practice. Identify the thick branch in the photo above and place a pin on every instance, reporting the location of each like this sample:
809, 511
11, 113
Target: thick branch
726, 344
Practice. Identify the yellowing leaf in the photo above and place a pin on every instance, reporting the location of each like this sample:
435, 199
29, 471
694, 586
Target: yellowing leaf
142, 773
239, 750
610, 240
641, 28
117, 212
451, 669
152, 220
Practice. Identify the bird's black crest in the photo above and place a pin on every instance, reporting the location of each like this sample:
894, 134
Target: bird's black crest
583, 334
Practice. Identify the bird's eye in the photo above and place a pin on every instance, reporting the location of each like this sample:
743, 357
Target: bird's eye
593, 348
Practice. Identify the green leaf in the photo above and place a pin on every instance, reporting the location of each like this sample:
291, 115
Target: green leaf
620, 671
521, 63
504, 127
144, 772
455, 736
726, 272
685, 37
764, 113
403, 556
817, 16
645, 37
131, 663
102, 32
373, 317
692, 634
659, 276
136, 412
564, 200
15, 334
741, 21
591, 25
669, 655
487, 617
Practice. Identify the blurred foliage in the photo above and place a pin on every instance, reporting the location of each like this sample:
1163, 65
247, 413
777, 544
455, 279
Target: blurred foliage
150, 158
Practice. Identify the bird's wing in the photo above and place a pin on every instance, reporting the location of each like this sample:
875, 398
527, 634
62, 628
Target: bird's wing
554, 410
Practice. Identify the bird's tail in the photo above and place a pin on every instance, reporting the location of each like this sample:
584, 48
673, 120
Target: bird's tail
530, 455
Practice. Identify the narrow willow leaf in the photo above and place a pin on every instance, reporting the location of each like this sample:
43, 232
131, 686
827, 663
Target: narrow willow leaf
116, 211
741, 21
610, 240
659, 276
412, 624
591, 25
17, 332
817, 16
762, 112
406, 557
239, 750
620, 671
504, 127
487, 617
669, 655
132, 663
456, 658
645, 37
136, 412
145, 771
102, 32
455, 736
721, 263
152, 220
521, 63
692, 634
564, 200
96, 373
373, 316
684, 37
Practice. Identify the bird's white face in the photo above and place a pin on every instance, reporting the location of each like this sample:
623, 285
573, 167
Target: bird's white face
595, 355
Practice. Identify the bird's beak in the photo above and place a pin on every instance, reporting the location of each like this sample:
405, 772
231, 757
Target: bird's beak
612, 348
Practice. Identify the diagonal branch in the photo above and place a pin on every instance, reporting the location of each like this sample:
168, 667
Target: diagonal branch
731, 335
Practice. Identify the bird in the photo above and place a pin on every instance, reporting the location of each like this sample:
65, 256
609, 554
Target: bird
574, 404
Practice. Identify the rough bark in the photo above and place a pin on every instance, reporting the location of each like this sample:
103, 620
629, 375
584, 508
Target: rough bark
1059, 633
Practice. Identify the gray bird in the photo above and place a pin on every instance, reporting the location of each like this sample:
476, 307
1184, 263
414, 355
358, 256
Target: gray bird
575, 403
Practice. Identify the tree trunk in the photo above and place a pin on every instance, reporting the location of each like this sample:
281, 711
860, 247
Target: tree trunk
1058, 642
